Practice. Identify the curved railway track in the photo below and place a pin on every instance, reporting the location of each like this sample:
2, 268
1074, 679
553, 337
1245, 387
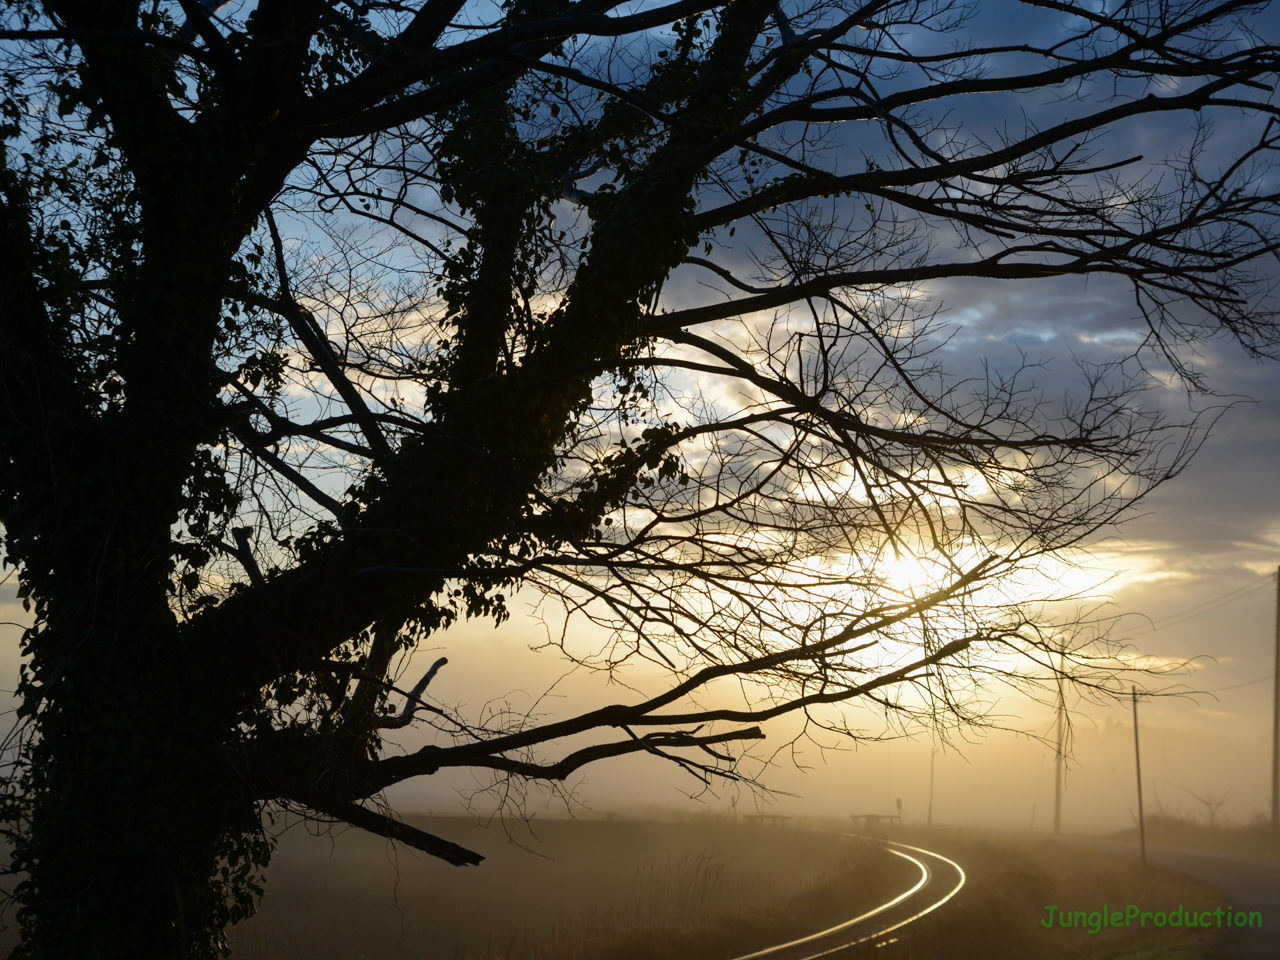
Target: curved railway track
940, 880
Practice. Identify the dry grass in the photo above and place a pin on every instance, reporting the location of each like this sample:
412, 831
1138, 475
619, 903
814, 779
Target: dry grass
673, 932
1255, 839
356, 897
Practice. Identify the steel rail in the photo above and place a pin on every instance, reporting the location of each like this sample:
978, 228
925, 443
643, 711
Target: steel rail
925, 876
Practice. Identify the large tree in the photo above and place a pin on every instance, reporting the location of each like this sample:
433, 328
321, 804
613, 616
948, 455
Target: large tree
325, 324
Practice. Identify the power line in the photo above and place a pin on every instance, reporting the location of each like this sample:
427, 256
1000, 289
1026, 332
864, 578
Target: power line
1209, 606
1235, 686
1229, 597
1225, 601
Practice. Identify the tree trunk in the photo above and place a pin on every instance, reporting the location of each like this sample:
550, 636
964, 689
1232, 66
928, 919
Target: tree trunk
134, 801
131, 807
140, 837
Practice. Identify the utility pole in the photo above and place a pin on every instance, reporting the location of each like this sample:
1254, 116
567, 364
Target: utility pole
1057, 778
1057, 767
929, 822
1137, 757
1275, 724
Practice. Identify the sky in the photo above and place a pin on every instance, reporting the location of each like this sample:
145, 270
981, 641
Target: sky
1190, 575
1211, 534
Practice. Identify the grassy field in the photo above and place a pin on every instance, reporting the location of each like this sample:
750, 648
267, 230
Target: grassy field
706, 890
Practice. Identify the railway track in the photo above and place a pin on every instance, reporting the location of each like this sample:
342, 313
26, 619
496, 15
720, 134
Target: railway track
940, 880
